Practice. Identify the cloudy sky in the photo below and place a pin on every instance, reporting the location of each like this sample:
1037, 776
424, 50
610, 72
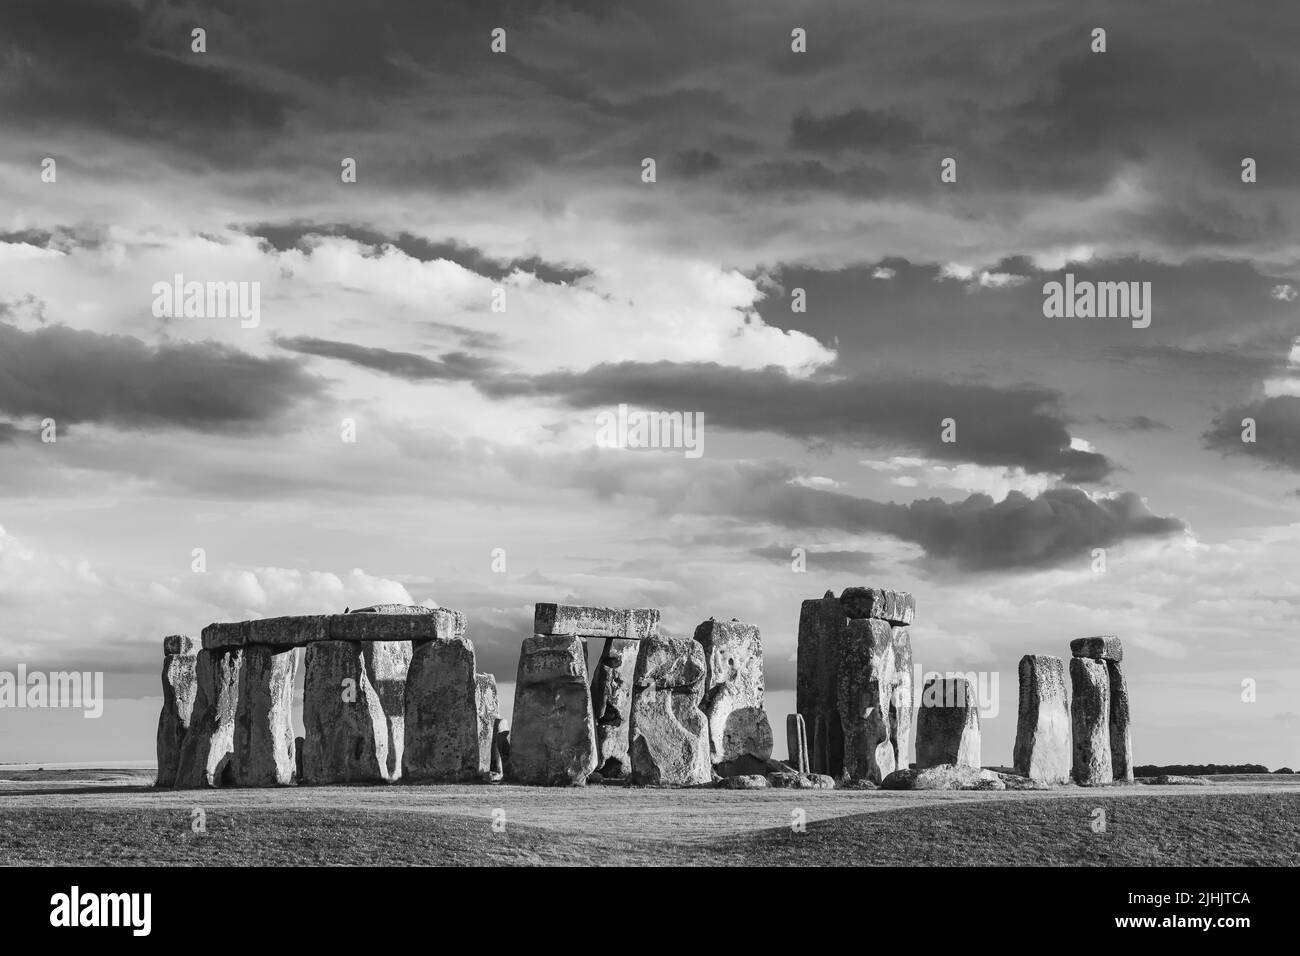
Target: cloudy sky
519, 175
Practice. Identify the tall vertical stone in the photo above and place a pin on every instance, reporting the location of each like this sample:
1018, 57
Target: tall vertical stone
208, 750
669, 732
387, 664
487, 706
264, 737
948, 724
740, 735
796, 742
611, 696
1090, 721
817, 677
346, 732
179, 690
553, 730
1042, 750
1121, 738
442, 712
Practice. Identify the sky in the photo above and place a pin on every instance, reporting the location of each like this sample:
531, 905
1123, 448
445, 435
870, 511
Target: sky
500, 275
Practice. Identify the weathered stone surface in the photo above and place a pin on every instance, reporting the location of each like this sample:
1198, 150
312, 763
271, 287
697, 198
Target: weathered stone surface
948, 724
733, 695
1090, 721
387, 663
180, 687
611, 696
499, 738
486, 703
409, 625
1121, 736
179, 644
669, 733
796, 742
1015, 781
553, 730
943, 777
503, 749
1042, 750
896, 607
633, 624
1173, 779
396, 609
263, 746
744, 782
801, 781
299, 744
859, 671
1105, 647
208, 750
216, 637
346, 731
442, 712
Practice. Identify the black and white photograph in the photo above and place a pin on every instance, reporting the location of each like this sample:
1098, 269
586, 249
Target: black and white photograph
693, 434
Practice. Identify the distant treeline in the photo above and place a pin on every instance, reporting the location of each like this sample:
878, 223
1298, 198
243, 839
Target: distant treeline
1197, 769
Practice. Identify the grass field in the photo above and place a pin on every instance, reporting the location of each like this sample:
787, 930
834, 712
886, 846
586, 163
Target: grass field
114, 817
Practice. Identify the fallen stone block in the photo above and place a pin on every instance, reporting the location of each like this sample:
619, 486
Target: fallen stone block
263, 744
611, 695
442, 713
801, 781
1042, 750
1090, 722
1174, 779
945, 777
740, 734
208, 749
553, 730
669, 740
948, 724
487, 706
346, 730
1121, 736
796, 742
179, 685
1105, 647
744, 782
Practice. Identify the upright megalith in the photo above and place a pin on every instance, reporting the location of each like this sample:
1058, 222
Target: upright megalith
442, 712
387, 664
179, 690
669, 732
1121, 738
208, 749
1090, 721
487, 707
611, 698
1042, 750
264, 736
740, 735
796, 742
854, 681
346, 731
553, 730
948, 724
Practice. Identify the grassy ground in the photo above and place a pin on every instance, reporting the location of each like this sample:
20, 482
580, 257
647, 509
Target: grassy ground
103, 821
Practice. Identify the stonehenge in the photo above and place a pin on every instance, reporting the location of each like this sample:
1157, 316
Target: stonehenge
392, 693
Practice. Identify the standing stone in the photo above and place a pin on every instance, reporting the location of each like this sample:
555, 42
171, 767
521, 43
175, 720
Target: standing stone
553, 730
873, 701
387, 664
1090, 721
948, 724
1042, 750
208, 750
817, 677
1121, 738
299, 744
796, 741
179, 690
442, 712
502, 743
740, 735
669, 733
487, 706
263, 746
611, 696
346, 732
496, 766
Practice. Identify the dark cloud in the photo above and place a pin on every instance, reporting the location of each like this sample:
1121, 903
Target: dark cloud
693, 163
856, 129
73, 375
1277, 431
9, 433
1135, 423
449, 367
1018, 426
297, 235
819, 562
